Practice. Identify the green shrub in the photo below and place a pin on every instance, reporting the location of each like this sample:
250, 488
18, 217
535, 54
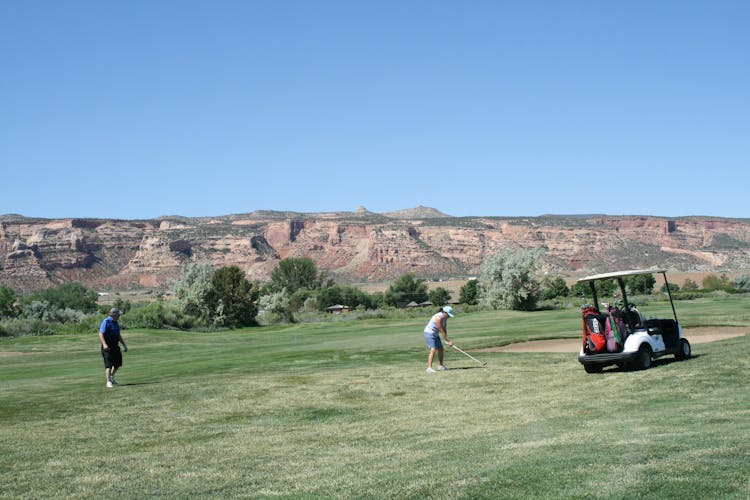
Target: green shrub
90, 324
7, 302
159, 314
70, 295
50, 313
22, 327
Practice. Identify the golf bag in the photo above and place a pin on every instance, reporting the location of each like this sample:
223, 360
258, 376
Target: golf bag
593, 327
612, 334
616, 323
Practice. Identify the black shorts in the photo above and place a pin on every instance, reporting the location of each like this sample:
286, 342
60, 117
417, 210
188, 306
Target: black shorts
112, 357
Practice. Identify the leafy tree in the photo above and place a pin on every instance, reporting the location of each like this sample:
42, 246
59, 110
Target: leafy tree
713, 282
71, 295
329, 296
604, 288
742, 282
469, 293
407, 288
642, 284
507, 280
232, 298
554, 287
7, 302
580, 289
345, 295
294, 274
673, 287
297, 299
310, 305
123, 305
689, 285
276, 307
377, 300
357, 298
193, 289
439, 296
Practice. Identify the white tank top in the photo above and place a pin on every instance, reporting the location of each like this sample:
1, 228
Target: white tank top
432, 326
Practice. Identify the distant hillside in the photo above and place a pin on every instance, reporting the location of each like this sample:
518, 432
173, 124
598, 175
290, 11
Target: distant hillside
419, 212
355, 247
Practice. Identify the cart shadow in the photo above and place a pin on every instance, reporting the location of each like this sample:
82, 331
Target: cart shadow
654, 364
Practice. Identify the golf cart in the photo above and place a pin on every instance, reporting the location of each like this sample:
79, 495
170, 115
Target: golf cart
618, 334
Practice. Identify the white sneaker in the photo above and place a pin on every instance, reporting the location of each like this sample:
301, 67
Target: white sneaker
109, 384
430, 370
442, 367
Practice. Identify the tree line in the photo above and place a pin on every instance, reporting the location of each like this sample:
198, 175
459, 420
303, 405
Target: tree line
211, 299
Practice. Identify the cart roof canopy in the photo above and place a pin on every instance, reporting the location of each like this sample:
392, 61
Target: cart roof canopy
620, 274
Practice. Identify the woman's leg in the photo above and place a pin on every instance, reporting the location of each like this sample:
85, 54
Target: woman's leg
430, 357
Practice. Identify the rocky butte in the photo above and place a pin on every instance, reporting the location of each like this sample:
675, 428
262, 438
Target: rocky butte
354, 247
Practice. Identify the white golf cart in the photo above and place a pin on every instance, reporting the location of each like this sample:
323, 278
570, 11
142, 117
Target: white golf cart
622, 336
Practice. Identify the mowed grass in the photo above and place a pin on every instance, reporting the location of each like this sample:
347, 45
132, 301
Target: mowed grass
345, 410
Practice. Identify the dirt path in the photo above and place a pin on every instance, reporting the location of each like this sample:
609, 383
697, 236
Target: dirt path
694, 335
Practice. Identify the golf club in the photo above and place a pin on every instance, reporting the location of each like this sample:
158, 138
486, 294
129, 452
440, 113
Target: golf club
469, 355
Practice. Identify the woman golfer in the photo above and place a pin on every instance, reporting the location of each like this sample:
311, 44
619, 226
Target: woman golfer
437, 326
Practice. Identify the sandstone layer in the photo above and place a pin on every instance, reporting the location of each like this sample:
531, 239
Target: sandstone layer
354, 247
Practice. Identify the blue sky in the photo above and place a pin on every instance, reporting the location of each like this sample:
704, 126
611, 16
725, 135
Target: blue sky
139, 109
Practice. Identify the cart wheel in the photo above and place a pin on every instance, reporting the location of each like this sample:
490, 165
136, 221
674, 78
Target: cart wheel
593, 368
643, 358
683, 350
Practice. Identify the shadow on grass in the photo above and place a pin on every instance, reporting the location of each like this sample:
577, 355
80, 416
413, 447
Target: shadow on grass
666, 361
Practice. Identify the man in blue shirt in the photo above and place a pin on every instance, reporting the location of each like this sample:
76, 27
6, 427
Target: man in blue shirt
109, 335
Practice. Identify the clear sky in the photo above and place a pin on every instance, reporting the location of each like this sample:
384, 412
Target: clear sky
142, 108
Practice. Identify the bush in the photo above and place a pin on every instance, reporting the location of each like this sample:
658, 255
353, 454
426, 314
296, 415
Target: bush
89, 325
439, 296
7, 302
22, 327
689, 285
193, 289
507, 280
274, 307
742, 282
68, 296
49, 313
157, 315
469, 293
554, 287
713, 282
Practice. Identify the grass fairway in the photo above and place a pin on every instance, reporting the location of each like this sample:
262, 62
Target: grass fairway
345, 410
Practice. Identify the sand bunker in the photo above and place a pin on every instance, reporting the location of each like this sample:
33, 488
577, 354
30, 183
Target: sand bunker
694, 335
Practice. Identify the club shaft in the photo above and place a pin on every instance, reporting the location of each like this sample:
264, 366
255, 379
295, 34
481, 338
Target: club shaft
467, 354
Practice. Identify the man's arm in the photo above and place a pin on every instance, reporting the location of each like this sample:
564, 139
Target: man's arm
104, 342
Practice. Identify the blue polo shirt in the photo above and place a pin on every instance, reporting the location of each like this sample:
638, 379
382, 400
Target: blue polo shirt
110, 329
